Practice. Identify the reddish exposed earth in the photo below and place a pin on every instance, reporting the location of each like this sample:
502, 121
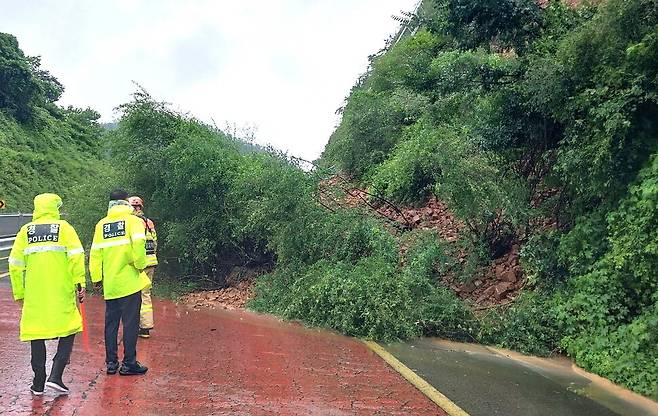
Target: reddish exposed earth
210, 363
232, 297
496, 283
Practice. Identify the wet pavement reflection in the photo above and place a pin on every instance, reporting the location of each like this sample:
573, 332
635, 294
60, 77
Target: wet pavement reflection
216, 362
487, 381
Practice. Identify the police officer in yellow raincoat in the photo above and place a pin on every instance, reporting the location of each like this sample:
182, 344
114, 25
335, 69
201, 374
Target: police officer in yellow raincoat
117, 259
46, 265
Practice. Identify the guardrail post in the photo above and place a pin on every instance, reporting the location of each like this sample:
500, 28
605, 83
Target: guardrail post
10, 224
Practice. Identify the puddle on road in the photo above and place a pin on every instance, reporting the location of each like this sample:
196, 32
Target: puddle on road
491, 381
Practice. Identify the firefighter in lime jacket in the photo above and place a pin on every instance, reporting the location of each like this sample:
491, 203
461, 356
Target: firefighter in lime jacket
117, 260
146, 312
46, 267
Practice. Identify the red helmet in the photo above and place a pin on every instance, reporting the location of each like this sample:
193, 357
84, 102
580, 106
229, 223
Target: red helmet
136, 201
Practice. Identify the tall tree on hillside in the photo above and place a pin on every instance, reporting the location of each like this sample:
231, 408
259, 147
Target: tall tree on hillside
24, 86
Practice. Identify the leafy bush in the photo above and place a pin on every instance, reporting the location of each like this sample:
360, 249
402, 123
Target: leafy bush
371, 297
539, 258
611, 112
504, 23
417, 52
342, 236
610, 315
372, 124
363, 299
411, 172
218, 206
439, 311
529, 325
25, 88
580, 248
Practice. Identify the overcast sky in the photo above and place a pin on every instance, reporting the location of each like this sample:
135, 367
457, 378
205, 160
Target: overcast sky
281, 66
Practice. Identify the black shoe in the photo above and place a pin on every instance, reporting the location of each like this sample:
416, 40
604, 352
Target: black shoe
38, 383
112, 367
58, 386
144, 333
55, 380
37, 390
132, 370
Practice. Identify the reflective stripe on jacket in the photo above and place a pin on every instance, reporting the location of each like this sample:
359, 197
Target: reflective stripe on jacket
45, 265
118, 253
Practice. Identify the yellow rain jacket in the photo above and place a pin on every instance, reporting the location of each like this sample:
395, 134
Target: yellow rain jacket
118, 253
45, 265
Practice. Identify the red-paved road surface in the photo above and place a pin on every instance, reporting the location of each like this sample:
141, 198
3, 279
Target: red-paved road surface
204, 363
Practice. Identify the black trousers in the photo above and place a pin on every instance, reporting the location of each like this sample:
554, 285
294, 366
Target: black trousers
126, 310
38, 347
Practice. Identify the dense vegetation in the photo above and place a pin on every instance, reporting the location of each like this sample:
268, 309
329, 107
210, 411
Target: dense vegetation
517, 115
537, 125
220, 206
43, 147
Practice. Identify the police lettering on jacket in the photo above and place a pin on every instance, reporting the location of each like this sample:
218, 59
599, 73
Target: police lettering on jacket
114, 229
42, 233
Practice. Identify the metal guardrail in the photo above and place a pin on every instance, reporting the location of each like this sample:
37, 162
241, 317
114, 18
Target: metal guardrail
10, 224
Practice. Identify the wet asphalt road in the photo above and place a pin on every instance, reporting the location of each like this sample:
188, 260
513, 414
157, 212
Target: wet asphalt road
485, 383
204, 363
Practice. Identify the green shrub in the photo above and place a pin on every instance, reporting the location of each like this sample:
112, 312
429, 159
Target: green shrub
365, 299
504, 23
580, 248
412, 170
529, 325
539, 258
217, 205
372, 298
611, 313
342, 271
372, 124
439, 311
417, 53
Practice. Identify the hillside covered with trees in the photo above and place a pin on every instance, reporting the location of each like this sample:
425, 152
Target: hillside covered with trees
532, 127
43, 147
536, 124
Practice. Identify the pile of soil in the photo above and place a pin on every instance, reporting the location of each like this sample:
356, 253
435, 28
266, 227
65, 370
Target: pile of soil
433, 215
239, 291
494, 284
232, 297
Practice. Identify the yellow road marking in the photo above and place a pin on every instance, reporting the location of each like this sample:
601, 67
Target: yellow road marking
426, 388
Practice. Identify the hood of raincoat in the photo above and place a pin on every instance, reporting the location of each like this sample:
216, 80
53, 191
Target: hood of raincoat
118, 208
46, 206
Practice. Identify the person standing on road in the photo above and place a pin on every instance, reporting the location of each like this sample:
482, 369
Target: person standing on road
146, 312
47, 268
116, 262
